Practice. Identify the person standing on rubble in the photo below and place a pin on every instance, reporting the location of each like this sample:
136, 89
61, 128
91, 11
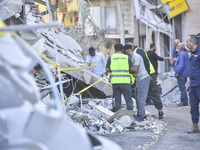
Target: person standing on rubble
142, 81
120, 66
97, 59
154, 90
194, 93
181, 68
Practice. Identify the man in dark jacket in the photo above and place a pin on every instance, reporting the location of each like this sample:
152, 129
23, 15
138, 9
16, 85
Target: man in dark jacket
154, 58
192, 44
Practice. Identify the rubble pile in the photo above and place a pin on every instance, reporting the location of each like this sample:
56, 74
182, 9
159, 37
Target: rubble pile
68, 52
95, 117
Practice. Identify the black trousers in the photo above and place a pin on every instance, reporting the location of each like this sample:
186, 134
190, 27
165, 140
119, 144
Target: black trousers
154, 92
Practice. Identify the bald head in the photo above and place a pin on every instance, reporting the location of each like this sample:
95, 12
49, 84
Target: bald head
176, 42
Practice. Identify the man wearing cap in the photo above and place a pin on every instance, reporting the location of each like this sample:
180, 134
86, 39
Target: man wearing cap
97, 59
142, 81
120, 66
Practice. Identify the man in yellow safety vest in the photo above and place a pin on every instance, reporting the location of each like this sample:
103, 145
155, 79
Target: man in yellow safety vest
120, 66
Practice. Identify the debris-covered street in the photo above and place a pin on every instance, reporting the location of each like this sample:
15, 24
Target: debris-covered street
99, 75
172, 136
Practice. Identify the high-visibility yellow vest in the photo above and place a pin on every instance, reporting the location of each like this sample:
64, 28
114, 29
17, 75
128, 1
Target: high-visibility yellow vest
152, 70
120, 69
132, 78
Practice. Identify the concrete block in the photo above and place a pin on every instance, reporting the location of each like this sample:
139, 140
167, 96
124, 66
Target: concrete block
91, 105
107, 89
86, 78
120, 113
125, 121
168, 85
101, 112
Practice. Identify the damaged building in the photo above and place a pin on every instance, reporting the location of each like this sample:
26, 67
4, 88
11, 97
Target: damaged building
44, 68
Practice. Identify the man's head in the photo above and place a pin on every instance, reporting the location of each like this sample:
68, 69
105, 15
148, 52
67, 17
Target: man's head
130, 42
181, 46
128, 49
192, 42
176, 42
153, 47
92, 51
118, 47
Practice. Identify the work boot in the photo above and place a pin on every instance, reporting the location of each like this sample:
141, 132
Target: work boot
160, 115
194, 129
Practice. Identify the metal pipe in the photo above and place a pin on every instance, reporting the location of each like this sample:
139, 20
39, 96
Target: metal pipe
57, 61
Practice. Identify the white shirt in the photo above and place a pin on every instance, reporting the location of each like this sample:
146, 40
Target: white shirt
99, 61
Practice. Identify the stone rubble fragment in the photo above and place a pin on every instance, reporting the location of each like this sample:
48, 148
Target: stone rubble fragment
101, 112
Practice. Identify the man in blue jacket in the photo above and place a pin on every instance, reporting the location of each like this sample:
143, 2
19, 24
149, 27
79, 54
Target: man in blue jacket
181, 68
192, 44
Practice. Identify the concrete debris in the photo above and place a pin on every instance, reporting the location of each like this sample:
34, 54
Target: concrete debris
97, 120
125, 121
108, 104
91, 104
97, 115
169, 82
121, 113
101, 112
10, 8
73, 103
70, 54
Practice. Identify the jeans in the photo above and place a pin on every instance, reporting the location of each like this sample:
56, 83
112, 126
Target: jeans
141, 92
194, 103
181, 85
125, 89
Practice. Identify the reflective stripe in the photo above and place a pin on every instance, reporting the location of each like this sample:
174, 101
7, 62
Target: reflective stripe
120, 70
120, 75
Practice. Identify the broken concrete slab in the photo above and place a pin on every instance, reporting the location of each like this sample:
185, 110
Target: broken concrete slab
10, 8
86, 78
125, 121
91, 105
169, 82
69, 53
121, 113
101, 112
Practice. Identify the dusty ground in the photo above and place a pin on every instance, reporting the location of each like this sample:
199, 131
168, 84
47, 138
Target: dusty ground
175, 136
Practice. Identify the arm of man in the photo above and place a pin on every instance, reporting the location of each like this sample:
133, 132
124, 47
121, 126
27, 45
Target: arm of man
135, 68
108, 65
167, 58
156, 57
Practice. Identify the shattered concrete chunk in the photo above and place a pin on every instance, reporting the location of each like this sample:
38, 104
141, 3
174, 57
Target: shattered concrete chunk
9, 8
120, 113
101, 112
108, 104
86, 78
91, 105
125, 121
